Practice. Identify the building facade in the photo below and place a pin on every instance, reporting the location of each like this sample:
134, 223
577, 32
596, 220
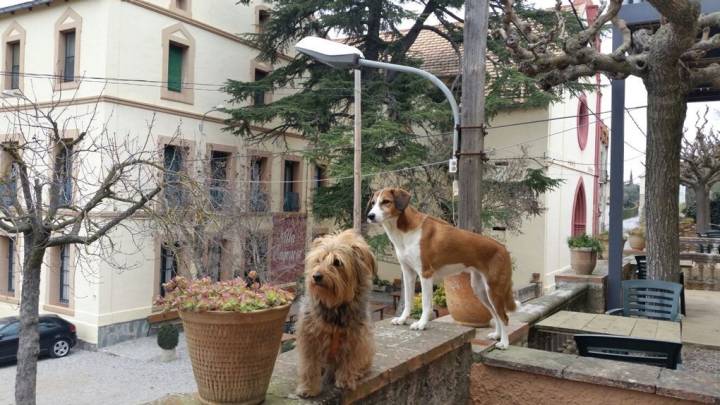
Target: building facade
151, 71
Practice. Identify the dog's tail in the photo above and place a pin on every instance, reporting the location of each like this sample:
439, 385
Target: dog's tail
511, 304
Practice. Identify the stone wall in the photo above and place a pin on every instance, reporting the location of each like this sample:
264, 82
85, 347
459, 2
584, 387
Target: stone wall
526, 376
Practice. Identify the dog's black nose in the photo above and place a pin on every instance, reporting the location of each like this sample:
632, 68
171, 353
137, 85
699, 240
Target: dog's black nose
317, 277
371, 216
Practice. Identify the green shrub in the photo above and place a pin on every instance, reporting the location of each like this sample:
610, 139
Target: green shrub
439, 297
167, 337
584, 241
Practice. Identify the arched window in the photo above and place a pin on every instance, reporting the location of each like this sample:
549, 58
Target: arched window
583, 122
579, 217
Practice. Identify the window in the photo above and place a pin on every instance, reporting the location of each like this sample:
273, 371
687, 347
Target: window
263, 16
579, 217
258, 176
11, 329
219, 162
256, 253
64, 293
8, 186
259, 96
320, 180
178, 64
291, 195
181, 6
173, 163
13, 55
68, 55
11, 266
14, 40
215, 258
583, 122
65, 189
168, 267
68, 34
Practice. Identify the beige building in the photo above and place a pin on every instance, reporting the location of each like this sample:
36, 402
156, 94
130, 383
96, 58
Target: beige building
567, 139
135, 62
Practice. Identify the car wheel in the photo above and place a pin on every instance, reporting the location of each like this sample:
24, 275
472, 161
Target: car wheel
60, 348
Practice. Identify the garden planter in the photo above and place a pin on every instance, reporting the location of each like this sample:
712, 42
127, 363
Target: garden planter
167, 356
464, 306
637, 242
605, 243
233, 353
583, 260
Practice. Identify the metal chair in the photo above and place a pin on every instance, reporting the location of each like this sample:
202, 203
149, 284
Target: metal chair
641, 267
651, 299
630, 349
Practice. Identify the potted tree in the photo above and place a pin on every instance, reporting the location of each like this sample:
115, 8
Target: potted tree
167, 339
233, 333
583, 253
637, 238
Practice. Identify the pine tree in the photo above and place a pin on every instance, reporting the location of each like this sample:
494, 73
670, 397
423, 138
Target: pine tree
406, 121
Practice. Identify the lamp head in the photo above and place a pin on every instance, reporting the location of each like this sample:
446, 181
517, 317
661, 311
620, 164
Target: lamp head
331, 53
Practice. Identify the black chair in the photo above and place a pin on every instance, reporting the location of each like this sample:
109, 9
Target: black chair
629, 349
651, 299
641, 267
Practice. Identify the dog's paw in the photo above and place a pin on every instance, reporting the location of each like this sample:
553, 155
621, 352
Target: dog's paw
502, 345
398, 321
346, 383
493, 335
305, 392
419, 325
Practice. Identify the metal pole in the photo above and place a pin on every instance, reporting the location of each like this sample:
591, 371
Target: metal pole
617, 156
357, 192
437, 82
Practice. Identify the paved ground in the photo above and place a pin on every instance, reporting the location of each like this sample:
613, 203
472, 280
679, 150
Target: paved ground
125, 374
702, 324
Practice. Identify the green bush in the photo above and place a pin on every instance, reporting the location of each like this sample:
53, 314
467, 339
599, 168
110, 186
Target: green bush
584, 241
167, 337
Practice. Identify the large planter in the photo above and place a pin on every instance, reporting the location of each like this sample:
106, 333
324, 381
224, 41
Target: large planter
637, 242
583, 260
605, 243
464, 306
233, 353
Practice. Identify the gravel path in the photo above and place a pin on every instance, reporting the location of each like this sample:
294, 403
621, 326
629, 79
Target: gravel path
124, 374
697, 358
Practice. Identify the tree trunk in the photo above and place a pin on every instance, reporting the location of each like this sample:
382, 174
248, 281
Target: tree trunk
702, 210
29, 345
665, 117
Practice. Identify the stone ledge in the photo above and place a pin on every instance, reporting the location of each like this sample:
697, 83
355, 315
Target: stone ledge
686, 385
402, 361
540, 308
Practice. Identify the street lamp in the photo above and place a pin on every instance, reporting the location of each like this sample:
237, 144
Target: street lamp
341, 56
201, 126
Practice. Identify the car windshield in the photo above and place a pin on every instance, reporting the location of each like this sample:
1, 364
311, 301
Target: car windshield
5, 322
11, 328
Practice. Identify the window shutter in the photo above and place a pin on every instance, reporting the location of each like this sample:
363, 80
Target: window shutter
175, 67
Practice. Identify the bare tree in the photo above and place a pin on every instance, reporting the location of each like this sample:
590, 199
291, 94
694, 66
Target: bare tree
669, 61
212, 222
72, 182
700, 168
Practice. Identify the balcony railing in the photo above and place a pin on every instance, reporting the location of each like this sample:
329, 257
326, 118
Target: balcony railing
291, 202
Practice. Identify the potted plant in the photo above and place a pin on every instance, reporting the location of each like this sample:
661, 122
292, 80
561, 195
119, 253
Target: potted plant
637, 238
462, 303
233, 332
167, 339
583, 253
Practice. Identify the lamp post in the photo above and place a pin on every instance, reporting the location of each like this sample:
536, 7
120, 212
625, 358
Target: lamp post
341, 56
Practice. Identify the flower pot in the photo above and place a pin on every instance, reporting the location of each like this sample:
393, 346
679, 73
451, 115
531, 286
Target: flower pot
167, 356
637, 242
583, 260
605, 243
464, 306
233, 353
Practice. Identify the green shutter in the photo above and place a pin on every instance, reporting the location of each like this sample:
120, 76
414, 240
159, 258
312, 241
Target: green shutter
175, 67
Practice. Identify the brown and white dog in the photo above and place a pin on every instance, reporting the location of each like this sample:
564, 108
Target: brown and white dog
430, 247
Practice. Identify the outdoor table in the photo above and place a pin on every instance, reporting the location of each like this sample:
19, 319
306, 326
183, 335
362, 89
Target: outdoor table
555, 333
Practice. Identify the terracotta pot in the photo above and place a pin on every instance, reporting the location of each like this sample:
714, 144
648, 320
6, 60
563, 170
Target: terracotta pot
464, 306
583, 260
605, 254
232, 353
637, 242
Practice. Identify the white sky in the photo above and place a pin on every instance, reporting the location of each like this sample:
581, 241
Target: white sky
5, 3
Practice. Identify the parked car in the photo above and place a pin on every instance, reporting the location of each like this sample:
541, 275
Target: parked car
57, 336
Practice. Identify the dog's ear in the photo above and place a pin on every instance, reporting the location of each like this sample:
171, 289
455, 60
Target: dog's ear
401, 197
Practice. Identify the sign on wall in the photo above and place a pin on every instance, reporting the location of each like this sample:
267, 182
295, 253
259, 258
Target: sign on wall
287, 248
